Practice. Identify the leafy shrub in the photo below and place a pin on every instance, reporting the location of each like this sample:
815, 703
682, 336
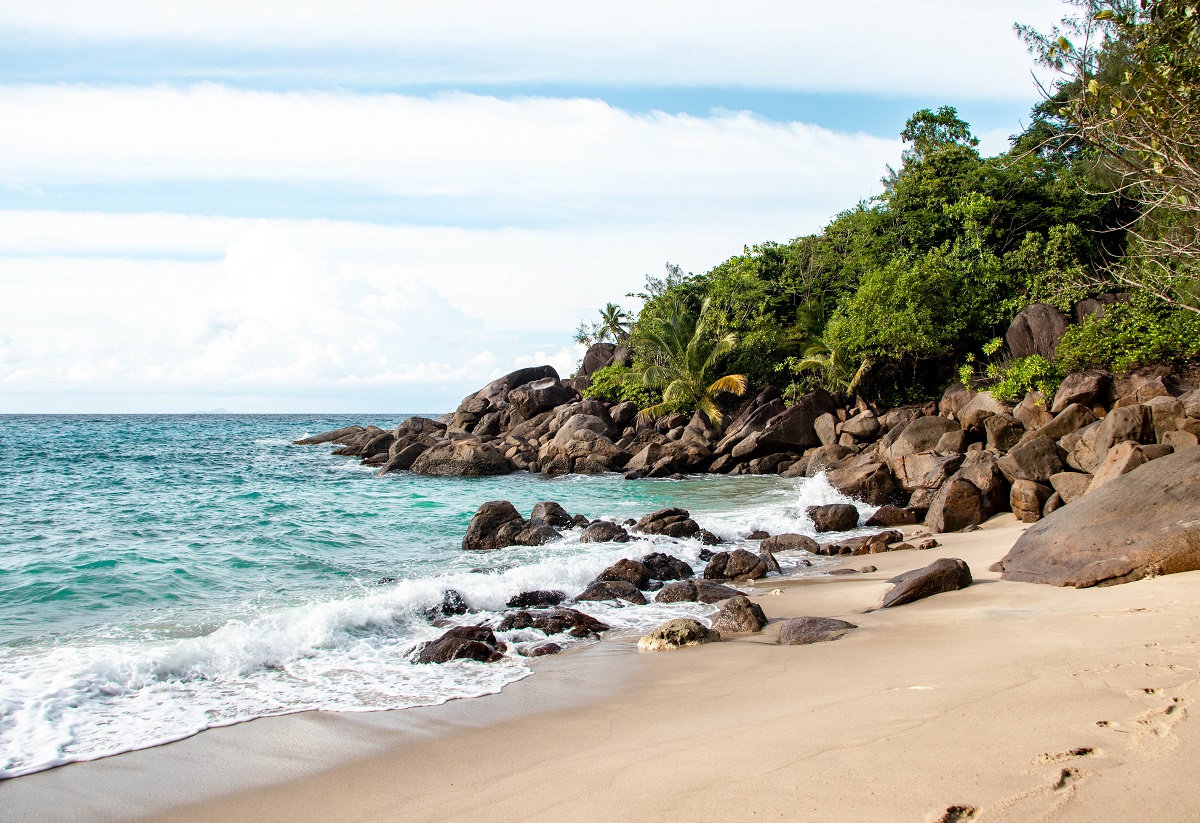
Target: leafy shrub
615, 383
1015, 378
1130, 335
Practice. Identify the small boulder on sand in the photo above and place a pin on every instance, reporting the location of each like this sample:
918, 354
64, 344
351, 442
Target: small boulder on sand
674, 634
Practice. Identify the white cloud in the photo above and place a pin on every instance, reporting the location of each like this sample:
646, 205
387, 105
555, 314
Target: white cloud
531, 157
961, 47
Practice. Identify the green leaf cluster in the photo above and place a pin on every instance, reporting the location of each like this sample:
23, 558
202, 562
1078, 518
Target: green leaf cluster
1129, 335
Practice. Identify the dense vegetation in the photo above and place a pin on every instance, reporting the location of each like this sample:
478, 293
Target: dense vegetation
910, 290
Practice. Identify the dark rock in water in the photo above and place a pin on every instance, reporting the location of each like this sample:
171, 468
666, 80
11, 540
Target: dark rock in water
665, 567
463, 643
571, 621
800, 631
672, 522
758, 534
769, 559
945, 575
383, 581
330, 436
677, 633
580, 522
630, 571
871, 483
543, 650
495, 525
736, 565
613, 590
462, 458
1141, 524
452, 604
836, 517
695, 591
739, 615
889, 516
538, 598
602, 531
707, 538
635, 474
551, 514
707, 554
789, 543
403, 459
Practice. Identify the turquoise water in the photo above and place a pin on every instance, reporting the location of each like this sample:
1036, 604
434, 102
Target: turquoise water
164, 574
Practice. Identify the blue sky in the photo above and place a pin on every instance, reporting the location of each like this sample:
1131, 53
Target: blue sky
377, 206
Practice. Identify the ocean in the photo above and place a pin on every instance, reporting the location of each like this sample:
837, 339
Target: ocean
164, 574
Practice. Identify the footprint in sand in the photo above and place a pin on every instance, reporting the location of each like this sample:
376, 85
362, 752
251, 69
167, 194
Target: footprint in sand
1043, 802
953, 814
1152, 733
1062, 757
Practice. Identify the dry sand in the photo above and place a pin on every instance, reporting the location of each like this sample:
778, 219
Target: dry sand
1019, 702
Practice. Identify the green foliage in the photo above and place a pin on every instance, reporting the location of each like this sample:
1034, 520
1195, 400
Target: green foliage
1128, 336
613, 326
616, 383
1016, 378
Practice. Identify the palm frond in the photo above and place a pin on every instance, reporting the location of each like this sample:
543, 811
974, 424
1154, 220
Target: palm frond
735, 384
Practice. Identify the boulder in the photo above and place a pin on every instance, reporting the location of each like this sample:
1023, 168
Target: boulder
737, 565
1028, 499
822, 458
889, 516
952, 442
1003, 432
1033, 411
926, 470
549, 513
623, 413
835, 517
1087, 388
1068, 421
675, 634
954, 399
800, 631
495, 525
921, 435
751, 418
1036, 459
536, 599
981, 471
958, 505
602, 531
497, 391
863, 426
945, 575
537, 396
826, 428
789, 543
570, 621
1070, 485
463, 643
739, 615
1083, 447
871, 483
694, 591
613, 590
1120, 459
981, 407
1036, 330
793, 428
344, 433
666, 567
462, 458
403, 459
629, 571
673, 522
1141, 524
1127, 423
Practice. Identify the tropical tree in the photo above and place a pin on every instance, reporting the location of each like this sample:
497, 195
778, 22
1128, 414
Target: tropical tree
614, 323
840, 373
680, 357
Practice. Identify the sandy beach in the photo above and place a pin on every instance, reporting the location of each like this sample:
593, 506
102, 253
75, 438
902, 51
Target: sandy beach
1014, 701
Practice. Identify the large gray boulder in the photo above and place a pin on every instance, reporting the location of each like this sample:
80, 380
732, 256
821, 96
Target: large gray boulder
462, 458
871, 483
538, 396
1035, 459
737, 565
463, 643
957, 505
793, 428
1036, 330
694, 591
738, 615
945, 575
675, 634
834, 517
1085, 388
1143, 523
496, 392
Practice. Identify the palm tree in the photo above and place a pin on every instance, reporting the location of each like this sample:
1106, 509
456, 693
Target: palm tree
683, 358
614, 324
839, 372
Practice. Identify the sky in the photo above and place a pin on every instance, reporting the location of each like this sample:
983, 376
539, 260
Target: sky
379, 205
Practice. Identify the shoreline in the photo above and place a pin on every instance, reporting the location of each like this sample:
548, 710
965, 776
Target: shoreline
981, 697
